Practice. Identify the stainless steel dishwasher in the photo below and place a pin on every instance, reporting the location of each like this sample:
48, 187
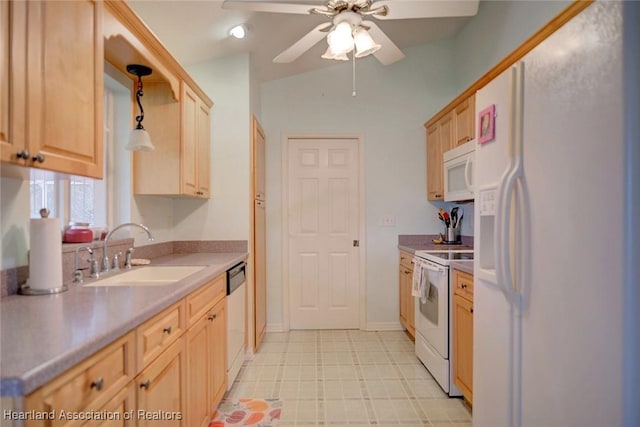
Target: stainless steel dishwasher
236, 289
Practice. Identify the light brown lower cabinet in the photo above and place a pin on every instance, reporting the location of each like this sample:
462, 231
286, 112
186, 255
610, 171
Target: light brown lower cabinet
463, 334
161, 389
407, 303
181, 372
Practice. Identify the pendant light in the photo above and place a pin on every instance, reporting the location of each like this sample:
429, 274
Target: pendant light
139, 139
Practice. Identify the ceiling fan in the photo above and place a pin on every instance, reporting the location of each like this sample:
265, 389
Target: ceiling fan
350, 30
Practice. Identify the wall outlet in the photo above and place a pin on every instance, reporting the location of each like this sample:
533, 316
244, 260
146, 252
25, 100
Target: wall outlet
388, 220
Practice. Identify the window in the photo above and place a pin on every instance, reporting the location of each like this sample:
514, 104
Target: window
43, 192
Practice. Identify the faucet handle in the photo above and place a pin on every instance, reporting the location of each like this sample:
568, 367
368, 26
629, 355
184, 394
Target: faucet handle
116, 261
94, 271
127, 258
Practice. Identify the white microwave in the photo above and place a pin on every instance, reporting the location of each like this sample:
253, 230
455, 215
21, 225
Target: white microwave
458, 172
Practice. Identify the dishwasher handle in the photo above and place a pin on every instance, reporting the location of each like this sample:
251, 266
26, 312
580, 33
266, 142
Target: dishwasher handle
236, 276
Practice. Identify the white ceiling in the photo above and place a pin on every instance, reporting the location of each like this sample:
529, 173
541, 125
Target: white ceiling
196, 31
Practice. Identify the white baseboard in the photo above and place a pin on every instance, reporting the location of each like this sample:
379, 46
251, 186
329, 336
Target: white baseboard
371, 326
275, 327
384, 326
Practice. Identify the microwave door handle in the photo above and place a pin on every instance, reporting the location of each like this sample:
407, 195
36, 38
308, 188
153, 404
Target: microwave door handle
466, 174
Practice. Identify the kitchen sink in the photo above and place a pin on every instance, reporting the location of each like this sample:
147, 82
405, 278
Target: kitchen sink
159, 275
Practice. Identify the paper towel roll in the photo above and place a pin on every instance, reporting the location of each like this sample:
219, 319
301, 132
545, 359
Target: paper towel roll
45, 254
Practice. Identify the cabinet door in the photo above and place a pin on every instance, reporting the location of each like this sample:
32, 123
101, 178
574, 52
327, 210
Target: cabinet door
465, 123
411, 320
189, 172
198, 388
65, 86
260, 272
447, 132
204, 149
218, 352
161, 389
259, 159
403, 296
12, 79
435, 185
463, 345
122, 403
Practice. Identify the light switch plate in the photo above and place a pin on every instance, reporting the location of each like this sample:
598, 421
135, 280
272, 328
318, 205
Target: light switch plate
388, 220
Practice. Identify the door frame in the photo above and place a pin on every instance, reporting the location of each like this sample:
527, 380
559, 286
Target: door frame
362, 292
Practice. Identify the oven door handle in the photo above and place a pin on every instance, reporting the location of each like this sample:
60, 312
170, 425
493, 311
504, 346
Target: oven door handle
436, 269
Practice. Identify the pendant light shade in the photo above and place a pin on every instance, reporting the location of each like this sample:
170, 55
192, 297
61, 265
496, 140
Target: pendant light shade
139, 140
340, 39
364, 43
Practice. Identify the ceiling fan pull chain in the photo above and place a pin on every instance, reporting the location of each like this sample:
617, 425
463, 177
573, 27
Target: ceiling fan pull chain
354, 74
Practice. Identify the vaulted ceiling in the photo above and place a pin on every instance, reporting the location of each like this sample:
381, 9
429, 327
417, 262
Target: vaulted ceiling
197, 31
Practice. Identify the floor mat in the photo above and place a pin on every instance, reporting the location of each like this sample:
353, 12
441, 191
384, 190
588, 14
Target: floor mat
247, 412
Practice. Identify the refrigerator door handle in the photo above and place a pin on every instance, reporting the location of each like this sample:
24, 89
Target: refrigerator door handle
511, 180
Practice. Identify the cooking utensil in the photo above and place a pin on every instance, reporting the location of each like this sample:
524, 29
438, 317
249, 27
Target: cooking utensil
447, 220
454, 217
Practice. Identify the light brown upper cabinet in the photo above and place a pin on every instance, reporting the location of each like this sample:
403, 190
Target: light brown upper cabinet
446, 130
435, 184
176, 110
196, 142
465, 120
53, 77
180, 131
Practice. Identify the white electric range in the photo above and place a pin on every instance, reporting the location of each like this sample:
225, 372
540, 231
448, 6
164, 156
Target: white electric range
434, 315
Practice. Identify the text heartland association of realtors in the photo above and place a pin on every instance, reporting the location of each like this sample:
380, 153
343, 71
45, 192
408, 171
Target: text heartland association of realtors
140, 414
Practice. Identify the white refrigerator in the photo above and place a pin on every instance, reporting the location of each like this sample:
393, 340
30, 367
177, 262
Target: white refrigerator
550, 194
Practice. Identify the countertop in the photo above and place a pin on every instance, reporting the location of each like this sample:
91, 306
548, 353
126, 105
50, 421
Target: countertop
465, 266
43, 336
423, 242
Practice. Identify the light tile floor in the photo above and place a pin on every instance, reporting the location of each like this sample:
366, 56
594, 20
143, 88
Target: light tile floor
340, 378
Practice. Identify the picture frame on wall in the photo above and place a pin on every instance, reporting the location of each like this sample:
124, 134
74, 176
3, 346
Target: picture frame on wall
487, 124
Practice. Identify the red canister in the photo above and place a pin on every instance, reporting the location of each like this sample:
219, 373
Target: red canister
77, 234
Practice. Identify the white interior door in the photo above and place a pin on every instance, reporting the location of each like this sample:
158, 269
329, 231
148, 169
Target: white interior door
323, 229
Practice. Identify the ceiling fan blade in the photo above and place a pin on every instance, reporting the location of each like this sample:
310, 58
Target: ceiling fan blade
305, 43
269, 6
407, 9
389, 52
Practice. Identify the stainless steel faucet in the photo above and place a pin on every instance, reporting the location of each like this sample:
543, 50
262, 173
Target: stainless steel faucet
106, 266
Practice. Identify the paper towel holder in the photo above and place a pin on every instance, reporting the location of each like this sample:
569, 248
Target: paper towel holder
26, 290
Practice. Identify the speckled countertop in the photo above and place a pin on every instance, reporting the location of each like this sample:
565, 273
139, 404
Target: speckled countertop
423, 242
43, 336
465, 266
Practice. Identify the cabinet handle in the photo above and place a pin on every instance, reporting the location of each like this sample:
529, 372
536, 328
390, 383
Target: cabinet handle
38, 158
471, 310
212, 317
463, 286
145, 385
167, 330
98, 384
23, 154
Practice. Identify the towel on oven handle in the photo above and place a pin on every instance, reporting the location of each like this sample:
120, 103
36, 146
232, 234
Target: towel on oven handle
420, 279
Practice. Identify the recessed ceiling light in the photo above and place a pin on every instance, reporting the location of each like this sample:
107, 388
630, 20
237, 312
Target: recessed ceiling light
239, 31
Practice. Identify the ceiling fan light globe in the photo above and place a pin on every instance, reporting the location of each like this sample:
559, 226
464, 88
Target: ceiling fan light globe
340, 39
329, 54
364, 43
